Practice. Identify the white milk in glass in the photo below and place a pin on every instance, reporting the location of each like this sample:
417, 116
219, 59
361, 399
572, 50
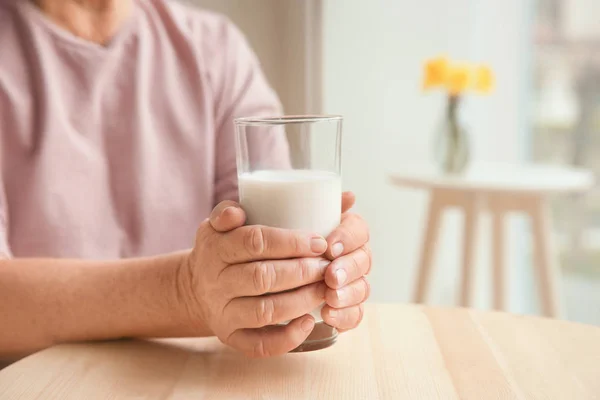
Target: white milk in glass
306, 200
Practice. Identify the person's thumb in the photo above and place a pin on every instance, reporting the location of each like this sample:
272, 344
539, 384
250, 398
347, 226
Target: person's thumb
226, 216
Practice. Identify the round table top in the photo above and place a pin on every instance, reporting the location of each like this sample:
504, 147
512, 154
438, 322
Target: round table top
500, 177
399, 352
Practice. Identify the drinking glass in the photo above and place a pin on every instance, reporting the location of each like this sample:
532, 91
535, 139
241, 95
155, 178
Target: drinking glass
289, 177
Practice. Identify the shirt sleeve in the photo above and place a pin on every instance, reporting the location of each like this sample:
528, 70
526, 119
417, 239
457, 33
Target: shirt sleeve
241, 90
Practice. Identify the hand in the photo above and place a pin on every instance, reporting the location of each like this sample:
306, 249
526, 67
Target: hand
348, 288
239, 281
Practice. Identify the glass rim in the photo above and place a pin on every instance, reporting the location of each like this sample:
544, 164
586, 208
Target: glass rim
287, 119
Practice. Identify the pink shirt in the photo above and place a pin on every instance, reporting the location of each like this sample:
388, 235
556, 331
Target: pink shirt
122, 150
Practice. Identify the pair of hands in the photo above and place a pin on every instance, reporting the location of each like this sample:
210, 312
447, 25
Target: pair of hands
242, 280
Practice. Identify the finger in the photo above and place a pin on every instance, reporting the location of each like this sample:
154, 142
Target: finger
343, 318
349, 268
352, 294
262, 277
351, 234
272, 340
256, 312
348, 200
227, 215
255, 242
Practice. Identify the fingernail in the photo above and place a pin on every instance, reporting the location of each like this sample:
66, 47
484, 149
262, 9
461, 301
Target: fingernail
318, 245
340, 276
308, 324
341, 294
337, 249
324, 263
227, 210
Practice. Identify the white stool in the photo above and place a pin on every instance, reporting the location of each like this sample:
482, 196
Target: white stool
498, 189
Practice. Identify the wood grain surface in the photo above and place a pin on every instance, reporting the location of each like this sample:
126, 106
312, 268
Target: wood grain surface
399, 352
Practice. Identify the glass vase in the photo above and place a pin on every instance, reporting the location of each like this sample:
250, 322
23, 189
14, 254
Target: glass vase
452, 151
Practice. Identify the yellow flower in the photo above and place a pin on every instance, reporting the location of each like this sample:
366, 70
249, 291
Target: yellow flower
435, 72
458, 79
484, 79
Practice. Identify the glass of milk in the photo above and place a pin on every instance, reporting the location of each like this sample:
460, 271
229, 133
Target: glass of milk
289, 176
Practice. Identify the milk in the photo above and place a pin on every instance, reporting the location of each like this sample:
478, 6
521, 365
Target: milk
304, 200
292, 199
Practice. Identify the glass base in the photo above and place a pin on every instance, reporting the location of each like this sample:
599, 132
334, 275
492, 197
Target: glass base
321, 337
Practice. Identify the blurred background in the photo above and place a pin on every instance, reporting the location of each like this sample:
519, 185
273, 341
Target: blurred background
364, 60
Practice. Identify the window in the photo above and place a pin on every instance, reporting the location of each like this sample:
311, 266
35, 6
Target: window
566, 129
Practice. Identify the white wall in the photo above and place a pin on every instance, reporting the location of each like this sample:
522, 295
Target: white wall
373, 53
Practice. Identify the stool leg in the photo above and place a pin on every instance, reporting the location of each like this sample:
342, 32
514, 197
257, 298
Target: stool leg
548, 274
428, 247
471, 220
498, 265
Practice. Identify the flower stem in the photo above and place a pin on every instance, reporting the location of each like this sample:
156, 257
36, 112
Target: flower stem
451, 161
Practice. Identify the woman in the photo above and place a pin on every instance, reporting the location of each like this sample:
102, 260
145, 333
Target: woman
116, 142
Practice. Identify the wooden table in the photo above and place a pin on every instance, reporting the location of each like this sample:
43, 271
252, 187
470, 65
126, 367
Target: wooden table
499, 189
399, 352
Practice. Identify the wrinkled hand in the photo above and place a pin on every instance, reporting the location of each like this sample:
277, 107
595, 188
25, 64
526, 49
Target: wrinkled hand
238, 281
348, 288
242, 280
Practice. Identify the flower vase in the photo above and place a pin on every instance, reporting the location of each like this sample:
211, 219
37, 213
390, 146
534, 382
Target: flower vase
451, 141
